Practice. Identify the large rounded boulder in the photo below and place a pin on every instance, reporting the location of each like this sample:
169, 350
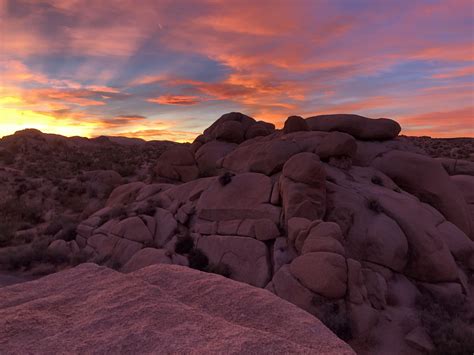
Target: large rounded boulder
210, 153
426, 179
359, 127
302, 187
177, 164
235, 127
295, 124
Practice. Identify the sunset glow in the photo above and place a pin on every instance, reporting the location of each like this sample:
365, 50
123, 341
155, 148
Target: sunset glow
167, 69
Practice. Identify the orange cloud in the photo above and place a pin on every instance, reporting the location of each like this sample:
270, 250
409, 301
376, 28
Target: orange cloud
458, 122
452, 52
176, 100
122, 121
456, 73
148, 79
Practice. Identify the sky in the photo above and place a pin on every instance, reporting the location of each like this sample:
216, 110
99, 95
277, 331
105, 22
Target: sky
166, 69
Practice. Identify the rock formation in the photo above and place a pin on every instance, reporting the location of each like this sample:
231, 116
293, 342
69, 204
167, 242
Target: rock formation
336, 214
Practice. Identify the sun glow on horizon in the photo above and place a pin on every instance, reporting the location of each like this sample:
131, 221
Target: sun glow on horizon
13, 120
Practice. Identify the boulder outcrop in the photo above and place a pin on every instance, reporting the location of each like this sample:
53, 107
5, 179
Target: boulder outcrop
302, 187
427, 180
347, 221
177, 164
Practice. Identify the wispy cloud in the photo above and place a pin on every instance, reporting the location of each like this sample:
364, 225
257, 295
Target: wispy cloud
175, 100
458, 122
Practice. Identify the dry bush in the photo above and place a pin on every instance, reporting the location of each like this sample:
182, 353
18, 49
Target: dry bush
374, 205
448, 321
27, 256
334, 316
198, 260
7, 233
184, 245
220, 269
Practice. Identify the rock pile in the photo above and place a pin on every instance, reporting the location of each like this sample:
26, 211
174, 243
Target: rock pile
333, 213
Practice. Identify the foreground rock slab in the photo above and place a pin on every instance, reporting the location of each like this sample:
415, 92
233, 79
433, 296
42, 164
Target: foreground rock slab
158, 309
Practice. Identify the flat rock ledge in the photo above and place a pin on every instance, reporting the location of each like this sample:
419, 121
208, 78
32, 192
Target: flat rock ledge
159, 309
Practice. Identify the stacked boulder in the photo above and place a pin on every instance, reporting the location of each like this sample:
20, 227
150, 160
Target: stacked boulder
335, 214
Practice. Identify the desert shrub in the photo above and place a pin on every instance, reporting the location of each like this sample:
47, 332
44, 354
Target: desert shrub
68, 232
225, 178
220, 269
377, 180
118, 212
53, 228
31, 213
44, 269
184, 245
449, 322
126, 170
198, 260
13, 258
92, 192
148, 210
26, 236
79, 257
149, 244
7, 233
14, 212
82, 178
21, 190
374, 205
116, 265
63, 228
333, 316
26, 256
7, 157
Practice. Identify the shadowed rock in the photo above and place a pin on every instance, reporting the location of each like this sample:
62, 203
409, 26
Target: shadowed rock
295, 124
357, 126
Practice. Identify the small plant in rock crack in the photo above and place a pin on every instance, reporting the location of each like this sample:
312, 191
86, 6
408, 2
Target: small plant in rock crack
184, 245
149, 244
220, 269
148, 210
377, 180
116, 265
198, 260
226, 178
374, 205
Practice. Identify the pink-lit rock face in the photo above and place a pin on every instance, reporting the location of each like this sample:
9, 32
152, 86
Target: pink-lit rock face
363, 229
159, 309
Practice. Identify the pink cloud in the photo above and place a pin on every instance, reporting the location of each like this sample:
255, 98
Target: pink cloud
175, 100
456, 73
459, 122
